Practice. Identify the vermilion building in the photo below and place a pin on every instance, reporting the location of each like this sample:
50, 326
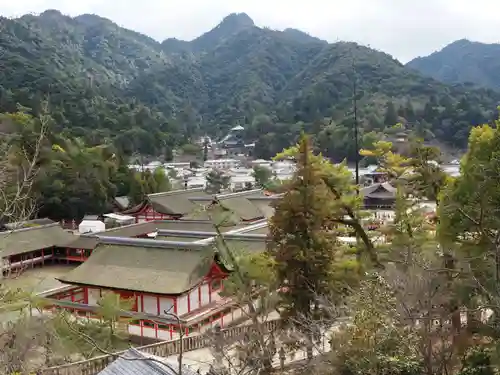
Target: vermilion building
163, 274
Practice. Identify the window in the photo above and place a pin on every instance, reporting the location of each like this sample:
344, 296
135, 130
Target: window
163, 327
216, 284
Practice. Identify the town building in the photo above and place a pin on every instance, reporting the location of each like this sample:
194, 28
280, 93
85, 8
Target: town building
379, 196
222, 163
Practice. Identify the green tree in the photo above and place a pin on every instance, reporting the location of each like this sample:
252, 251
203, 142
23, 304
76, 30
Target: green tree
217, 181
262, 175
391, 115
302, 239
468, 222
377, 342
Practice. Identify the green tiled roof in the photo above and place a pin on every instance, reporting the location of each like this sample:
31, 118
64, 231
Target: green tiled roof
26, 240
176, 202
236, 203
144, 265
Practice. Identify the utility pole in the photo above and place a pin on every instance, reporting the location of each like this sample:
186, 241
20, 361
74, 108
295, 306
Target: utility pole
355, 105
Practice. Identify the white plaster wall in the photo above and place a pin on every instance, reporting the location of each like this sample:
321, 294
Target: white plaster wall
205, 294
182, 305
215, 296
166, 304
94, 295
134, 330
150, 304
148, 332
194, 301
164, 335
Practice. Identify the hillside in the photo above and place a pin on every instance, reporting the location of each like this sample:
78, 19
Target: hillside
463, 61
106, 82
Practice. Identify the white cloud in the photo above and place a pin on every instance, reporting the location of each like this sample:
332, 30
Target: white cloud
403, 28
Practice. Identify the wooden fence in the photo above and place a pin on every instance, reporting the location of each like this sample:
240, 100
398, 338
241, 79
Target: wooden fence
162, 349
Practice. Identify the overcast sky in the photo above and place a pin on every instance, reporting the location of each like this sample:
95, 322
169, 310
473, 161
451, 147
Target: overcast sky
403, 28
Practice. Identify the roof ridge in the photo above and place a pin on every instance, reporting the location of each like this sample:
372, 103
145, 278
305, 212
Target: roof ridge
31, 228
266, 197
237, 194
146, 242
162, 232
245, 236
174, 192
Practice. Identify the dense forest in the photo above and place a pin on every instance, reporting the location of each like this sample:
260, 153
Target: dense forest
65, 178
463, 61
107, 83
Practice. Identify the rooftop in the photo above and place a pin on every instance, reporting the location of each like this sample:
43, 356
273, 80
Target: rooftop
379, 191
135, 362
144, 265
25, 240
176, 202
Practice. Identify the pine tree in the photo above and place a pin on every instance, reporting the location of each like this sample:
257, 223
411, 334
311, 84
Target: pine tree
391, 115
216, 181
302, 239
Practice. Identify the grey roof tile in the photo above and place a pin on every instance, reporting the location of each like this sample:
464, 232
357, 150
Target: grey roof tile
136, 366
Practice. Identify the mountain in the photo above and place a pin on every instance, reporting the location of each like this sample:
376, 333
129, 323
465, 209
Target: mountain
230, 25
107, 83
463, 61
299, 35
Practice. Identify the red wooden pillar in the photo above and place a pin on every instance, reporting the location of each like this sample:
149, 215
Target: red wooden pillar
209, 290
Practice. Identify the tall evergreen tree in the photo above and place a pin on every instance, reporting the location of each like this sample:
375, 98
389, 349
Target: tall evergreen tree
302, 239
391, 115
216, 182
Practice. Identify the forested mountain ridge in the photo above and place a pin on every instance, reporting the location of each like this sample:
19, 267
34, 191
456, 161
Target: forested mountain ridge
463, 61
108, 83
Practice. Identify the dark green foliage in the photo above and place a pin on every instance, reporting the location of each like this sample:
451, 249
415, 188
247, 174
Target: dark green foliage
217, 181
262, 175
478, 362
109, 83
71, 179
301, 240
463, 61
83, 65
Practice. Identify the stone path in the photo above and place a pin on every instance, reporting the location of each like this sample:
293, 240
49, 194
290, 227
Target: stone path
201, 359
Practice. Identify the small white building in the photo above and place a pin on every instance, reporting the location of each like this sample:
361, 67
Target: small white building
262, 163
91, 226
241, 182
222, 163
